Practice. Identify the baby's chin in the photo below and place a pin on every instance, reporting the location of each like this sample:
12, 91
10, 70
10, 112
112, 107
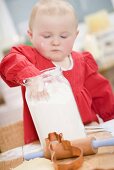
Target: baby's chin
56, 58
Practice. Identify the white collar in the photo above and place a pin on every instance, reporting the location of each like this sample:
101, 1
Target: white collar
64, 69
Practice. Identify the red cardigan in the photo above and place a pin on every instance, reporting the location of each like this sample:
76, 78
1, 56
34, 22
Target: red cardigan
92, 91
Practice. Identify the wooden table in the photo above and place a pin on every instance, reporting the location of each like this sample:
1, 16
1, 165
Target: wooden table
103, 160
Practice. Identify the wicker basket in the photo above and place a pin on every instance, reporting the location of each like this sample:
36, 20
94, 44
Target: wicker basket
11, 136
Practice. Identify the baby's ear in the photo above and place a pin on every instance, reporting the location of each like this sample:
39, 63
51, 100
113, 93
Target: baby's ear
77, 32
29, 34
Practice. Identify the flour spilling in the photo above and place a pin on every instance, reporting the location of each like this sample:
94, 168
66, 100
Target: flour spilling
58, 113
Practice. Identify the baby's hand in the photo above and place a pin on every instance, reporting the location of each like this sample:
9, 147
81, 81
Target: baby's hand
37, 88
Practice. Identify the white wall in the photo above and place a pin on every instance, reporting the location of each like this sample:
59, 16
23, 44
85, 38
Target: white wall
8, 34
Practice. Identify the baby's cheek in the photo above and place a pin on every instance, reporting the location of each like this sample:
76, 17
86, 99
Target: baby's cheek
44, 46
68, 46
40, 46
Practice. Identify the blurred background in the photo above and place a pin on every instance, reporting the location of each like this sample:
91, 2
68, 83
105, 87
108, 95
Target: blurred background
96, 34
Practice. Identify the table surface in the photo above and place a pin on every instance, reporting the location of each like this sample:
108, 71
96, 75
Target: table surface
103, 160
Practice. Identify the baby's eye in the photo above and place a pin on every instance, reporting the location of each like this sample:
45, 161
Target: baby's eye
46, 36
63, 36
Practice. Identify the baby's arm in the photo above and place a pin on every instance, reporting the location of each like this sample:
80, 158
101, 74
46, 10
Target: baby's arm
102, 95
100, 90
16, 68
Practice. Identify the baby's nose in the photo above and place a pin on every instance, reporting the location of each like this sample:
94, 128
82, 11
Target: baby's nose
55, 41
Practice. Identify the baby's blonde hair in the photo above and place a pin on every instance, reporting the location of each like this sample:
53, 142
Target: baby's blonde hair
51, 7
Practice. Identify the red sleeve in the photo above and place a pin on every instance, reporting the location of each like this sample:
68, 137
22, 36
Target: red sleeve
15, 67
100, 89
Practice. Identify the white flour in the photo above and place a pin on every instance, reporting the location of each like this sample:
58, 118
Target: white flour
36, 164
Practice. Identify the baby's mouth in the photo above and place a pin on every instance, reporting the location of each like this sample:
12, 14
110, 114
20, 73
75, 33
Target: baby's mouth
55, 50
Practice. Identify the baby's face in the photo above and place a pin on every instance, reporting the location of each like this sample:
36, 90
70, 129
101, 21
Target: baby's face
54, 36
